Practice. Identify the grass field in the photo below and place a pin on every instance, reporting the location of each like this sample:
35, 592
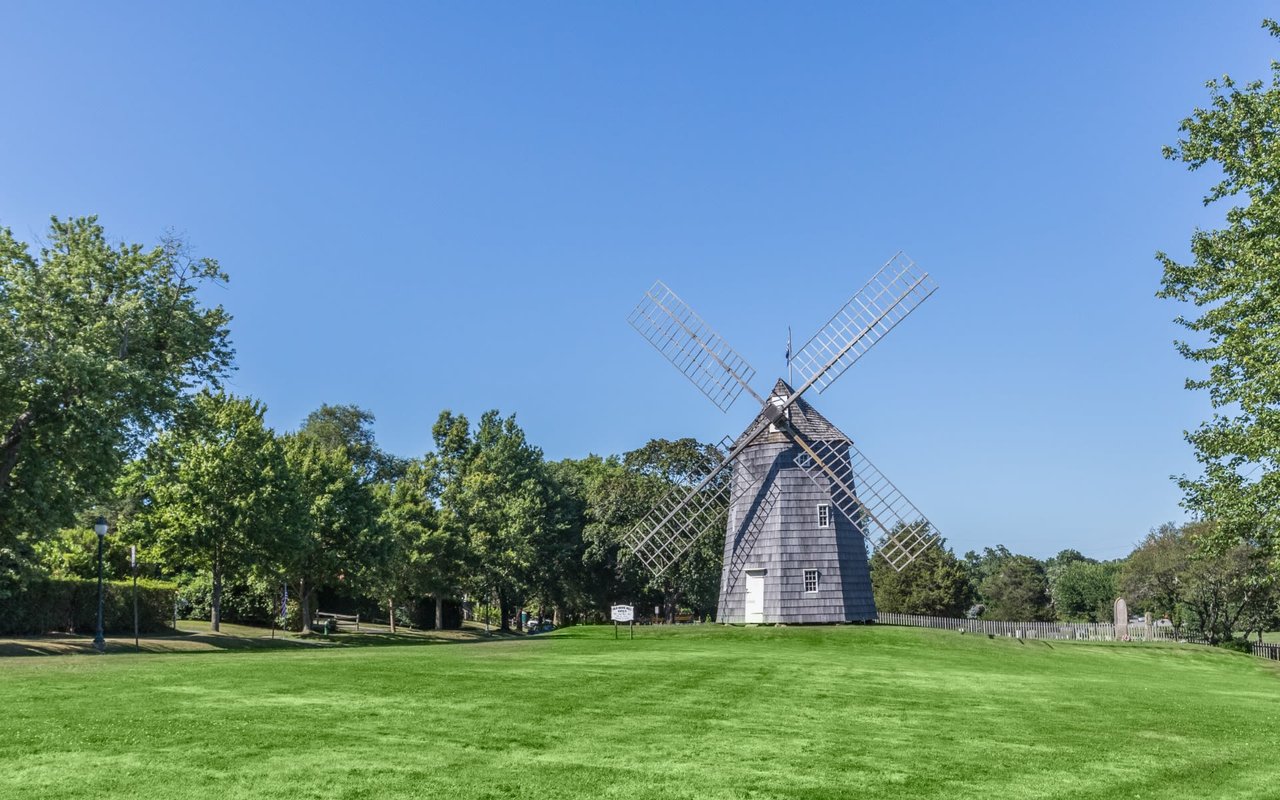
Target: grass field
685, 712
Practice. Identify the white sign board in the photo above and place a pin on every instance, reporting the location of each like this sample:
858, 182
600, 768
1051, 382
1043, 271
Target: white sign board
622, 614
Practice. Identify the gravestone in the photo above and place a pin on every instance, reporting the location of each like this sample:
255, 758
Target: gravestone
1120, 615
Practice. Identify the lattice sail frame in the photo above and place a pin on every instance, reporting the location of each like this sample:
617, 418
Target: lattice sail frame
686, 512
864, 495
748, 529
688, 342
692, 507
891, 294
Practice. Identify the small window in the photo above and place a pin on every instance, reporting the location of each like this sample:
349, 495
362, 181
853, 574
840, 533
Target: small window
811, 579
824, 515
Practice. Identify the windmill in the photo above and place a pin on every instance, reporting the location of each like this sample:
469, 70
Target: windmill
804, 505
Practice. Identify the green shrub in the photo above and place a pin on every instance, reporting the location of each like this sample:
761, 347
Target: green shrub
251, 602
1239, 645
71, 605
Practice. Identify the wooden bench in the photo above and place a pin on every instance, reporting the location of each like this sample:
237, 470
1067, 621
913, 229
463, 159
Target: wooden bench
331, 622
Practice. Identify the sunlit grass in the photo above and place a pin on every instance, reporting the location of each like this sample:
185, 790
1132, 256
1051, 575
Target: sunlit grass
687, 712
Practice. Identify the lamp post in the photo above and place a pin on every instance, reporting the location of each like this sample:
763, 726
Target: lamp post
100, 528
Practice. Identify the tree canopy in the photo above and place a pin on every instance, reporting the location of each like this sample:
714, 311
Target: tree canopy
1233, 286
215, 494
98, 344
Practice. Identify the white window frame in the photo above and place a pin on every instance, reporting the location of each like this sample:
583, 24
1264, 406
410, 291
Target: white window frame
824, 515
808, 573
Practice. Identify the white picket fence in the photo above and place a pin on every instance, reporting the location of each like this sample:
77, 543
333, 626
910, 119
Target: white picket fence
1085, 631
1080, 631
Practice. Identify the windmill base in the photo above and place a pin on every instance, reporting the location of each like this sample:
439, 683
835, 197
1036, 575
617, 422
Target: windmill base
786, 560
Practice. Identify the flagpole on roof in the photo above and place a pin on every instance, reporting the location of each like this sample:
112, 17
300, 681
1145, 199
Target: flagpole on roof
789, 381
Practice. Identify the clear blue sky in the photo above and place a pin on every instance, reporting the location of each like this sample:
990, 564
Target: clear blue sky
428, 206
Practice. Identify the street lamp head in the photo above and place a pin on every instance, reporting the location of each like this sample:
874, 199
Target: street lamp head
100, 526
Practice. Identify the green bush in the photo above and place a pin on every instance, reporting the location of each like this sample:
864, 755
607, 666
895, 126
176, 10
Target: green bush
1239, 645
71, 605
251, 602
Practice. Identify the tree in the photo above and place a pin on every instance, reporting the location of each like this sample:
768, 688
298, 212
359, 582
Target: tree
1215, 593
1016, 589
1085, 590
428, 551
1152, 575
981, 566
495, 490
98, 343
559, 574
339, 539
1223, 589
616, 498
214, 493
694, 579
1233, 281
936, 584
350, 428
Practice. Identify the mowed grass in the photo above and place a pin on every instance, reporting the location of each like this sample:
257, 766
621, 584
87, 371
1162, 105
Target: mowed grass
684, 712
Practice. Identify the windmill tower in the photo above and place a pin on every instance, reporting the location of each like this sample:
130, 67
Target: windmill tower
803, 505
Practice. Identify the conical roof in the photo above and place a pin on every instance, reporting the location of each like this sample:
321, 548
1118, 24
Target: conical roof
805, 419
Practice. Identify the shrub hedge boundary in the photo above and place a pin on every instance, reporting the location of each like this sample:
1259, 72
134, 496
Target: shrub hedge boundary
70, 605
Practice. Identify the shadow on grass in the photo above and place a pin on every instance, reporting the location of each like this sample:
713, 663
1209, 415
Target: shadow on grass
186, 641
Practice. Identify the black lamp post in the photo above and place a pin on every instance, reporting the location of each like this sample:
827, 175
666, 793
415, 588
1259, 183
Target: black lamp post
100, 528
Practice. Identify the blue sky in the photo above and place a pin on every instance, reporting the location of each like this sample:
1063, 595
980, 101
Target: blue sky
428, 206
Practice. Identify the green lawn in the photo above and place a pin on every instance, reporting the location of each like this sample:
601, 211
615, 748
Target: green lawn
689, 712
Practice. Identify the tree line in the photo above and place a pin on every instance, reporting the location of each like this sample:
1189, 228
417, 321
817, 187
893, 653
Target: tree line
1171, 574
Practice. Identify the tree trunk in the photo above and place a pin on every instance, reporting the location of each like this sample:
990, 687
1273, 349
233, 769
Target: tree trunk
391, 613
304, 604
557, 617
215, 612
504, 611
439, 612
11, 445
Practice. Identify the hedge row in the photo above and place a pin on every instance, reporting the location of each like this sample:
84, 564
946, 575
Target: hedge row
71, 605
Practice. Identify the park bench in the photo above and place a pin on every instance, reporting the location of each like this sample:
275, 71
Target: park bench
327, 623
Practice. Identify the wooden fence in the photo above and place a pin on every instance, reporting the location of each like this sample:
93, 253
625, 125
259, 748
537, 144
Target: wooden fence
1081, 631
1085, 631
1269, 650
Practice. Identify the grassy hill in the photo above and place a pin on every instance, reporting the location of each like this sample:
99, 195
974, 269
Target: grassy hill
690, 712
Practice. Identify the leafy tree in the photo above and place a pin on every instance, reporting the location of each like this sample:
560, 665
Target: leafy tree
1152, 576
350, 428
73, 552
214, 493
1223, 589
1016, 589
936, 583
982, 566
616, 498
1233, 281
559, 574
694, 580
495, 489
428, 551
1085, 590
98, 343
1214, 592
339, 538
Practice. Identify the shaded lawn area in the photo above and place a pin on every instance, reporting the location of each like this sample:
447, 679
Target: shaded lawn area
680, 712
195, 636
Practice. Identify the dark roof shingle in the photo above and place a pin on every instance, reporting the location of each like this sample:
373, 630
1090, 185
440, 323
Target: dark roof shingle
804, 418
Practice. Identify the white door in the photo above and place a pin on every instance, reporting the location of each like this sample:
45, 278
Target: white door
755, 596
